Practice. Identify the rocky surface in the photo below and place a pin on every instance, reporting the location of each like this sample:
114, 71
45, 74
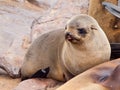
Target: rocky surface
21, 21
15, 23
7, 83
38, 84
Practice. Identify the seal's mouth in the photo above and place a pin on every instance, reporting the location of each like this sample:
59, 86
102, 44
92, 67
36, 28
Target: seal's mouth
70, 37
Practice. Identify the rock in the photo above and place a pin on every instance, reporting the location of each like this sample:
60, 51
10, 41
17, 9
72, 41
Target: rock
7, 83
38, 84
15, 25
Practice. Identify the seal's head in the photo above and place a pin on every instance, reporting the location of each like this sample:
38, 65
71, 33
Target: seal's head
80, 28
85, 42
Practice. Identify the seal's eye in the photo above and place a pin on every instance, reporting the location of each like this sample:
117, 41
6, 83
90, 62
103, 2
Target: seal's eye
81, 31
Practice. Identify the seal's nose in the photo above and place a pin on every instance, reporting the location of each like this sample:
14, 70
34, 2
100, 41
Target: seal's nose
68, 36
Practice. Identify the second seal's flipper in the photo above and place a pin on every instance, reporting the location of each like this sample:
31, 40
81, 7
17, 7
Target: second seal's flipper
113, 9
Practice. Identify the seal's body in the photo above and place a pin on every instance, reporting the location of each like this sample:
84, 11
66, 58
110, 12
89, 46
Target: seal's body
43, 53
105, 76
68, 52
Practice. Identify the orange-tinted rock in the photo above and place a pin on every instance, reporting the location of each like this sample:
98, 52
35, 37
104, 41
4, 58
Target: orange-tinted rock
109, 23
7, 83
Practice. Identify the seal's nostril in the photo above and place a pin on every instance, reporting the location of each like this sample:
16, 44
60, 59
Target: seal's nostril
70, 37
67, 35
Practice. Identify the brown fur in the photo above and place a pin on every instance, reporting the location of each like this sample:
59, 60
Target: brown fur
68, 52
102, 77
109, 23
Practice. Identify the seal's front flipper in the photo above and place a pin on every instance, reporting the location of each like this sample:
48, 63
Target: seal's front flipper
113, 9
42, 73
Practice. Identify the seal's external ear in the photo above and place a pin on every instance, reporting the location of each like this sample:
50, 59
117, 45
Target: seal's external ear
65, 27
113, 81
93, 27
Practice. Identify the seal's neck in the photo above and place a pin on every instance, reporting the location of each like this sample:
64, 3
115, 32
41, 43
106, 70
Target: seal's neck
79, 46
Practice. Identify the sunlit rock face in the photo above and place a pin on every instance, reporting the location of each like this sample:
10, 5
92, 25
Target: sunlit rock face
15, 21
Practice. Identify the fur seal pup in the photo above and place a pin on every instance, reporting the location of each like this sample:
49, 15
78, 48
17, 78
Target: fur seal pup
105, 76
62, 54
